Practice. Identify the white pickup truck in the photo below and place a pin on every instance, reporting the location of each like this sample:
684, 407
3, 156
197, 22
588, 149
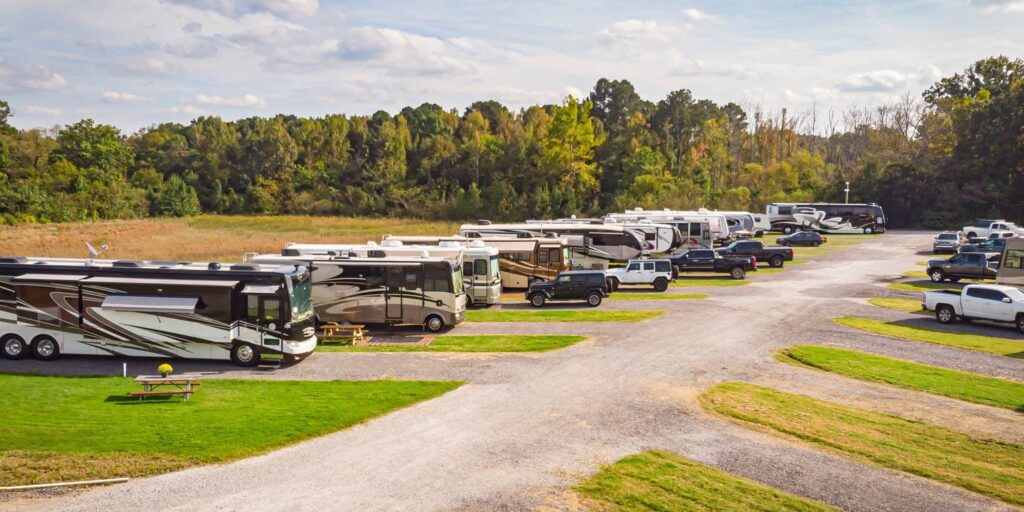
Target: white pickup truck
983, 228
654, 272
978, 302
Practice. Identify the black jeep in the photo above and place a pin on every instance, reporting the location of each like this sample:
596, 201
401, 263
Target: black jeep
588, 285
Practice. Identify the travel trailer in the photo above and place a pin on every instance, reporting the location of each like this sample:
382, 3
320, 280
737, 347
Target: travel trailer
658, 238
716, 222
480, 275
521, 261
1011, 268
379, 289
756, 224
591, 246
245, 313
826, 217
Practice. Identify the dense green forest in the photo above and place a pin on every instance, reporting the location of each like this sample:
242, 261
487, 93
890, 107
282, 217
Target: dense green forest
954, 154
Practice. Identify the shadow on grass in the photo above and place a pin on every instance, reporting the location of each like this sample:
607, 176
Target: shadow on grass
976, 327
150, 400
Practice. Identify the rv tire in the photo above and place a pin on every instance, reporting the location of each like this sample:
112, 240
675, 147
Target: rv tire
738, 273
13, 346
244, 354
660, 284
593, 299
45, 348
537, 300
868, 230
776, 261
434, 323
787, 230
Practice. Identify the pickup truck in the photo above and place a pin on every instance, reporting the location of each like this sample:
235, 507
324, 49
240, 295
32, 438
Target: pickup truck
775, 256
706, 260
978, 301
985, 227
970, 265
654, 272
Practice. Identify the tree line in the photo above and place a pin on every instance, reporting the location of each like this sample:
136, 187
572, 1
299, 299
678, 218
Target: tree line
954, 154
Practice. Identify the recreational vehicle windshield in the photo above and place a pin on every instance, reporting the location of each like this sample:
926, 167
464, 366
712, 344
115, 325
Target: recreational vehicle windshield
480, 275
591, 246
245, 313
658, 238
380, 289
521, 261
826, 217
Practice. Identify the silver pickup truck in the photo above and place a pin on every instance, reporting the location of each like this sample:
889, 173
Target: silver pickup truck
978, 302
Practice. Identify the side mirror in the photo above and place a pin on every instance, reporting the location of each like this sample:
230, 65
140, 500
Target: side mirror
1007, 300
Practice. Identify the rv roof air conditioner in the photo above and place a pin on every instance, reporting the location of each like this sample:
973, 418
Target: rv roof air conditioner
128, 263
388, 243
474, 243
483, 222
213, 266
371, 243
13, 259
244, 266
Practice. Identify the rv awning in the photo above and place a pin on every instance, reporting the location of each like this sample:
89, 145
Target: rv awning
261, 289
149, 304
49, 277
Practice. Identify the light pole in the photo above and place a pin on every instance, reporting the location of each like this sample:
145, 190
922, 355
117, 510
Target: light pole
847, 192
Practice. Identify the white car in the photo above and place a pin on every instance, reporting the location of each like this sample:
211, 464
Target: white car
654, 272
978, 302
983, 228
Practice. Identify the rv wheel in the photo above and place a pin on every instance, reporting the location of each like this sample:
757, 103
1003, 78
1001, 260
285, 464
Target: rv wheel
45, 348
537, 300
434, 323
594, 299
868, 231
13, 347
244, 354
787, 230
660, 284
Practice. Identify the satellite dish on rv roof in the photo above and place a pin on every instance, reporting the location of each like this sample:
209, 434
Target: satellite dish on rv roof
474, 243
371, 243
93, 252
424, 254
452, 244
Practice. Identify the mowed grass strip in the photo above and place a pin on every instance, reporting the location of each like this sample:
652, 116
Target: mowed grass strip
925, 286
561, 315
969, 387
908, 305
992, 468
990, 344
659, 480
621, 295
80, 428
685, 281
475, 343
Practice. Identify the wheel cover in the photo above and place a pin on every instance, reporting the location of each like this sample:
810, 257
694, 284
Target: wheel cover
13, 347
936, 276
944, 315
594, 299
245, 353
434, 323
537, 300
45, 348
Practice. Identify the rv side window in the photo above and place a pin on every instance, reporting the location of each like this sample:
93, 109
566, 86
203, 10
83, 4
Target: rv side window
467, 268
554, 255
271, 310
479, 268
785, 210
650, 237
694, 229
412, 278
1014, 259
437, 278
542, 257
252, 306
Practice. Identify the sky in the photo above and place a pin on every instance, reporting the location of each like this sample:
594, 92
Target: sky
135, 63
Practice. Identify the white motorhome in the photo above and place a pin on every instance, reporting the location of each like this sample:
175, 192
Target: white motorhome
241, 312
480, 275
521, 261
591, 246
756, 224
1011, 267
717, 222
658, 238
391, 290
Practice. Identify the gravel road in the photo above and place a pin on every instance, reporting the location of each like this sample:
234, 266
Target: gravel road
525, 428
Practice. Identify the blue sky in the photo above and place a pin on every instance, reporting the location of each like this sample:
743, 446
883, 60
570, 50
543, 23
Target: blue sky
133, 63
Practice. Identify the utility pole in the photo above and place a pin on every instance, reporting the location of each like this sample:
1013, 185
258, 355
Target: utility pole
847, 192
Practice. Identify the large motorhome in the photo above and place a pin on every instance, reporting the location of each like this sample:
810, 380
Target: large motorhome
480, 275
245, 313
1011, 268
658, 238
521, 261
591, 246
391, 290
826, 217
698, 231
756, 224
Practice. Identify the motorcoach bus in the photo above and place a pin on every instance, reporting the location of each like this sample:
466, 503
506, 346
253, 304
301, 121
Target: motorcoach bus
391, 290
521, 261
840, 218
658, 238
717, 223
242, 312
591, 246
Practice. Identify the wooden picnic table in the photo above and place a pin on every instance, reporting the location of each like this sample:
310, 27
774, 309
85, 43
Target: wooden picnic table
176, 385
333, 330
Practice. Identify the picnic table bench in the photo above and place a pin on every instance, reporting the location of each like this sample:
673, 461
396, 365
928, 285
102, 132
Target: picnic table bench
334, 331
181, 385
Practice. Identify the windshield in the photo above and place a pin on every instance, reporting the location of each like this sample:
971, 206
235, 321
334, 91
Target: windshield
301, 298
459, 286
493, 271
947, 236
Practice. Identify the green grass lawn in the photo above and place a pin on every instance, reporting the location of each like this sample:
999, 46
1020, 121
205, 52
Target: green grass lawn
921, 263
925, 286
477, 343
966, 386
908, 305
767, 271
687, 281
621, 295
918, 274
561, 315
990, 344
78, 428
992, 468
656, 480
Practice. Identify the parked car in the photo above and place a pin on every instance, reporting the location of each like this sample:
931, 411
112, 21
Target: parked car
653, 272
978, 301
775, 256
802, 238
706, 260
948, 241
970, 265
987, 245
586, 285
984, 227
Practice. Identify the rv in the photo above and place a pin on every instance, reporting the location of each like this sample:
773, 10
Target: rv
521, 261
591, 246
480, 275
754, 224
379, 289
658, 238
1011, 268
245, 313
826, 217
716, 222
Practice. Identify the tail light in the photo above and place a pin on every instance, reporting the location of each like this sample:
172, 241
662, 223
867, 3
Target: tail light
753, 261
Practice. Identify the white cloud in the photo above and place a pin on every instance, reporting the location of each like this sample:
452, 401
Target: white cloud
696, 16
239, 8
637, 31
246, 101
122, 97
192, 28
404, 52
999, 5
888, 80
701, 68
814, 95
184, 109
575, 92
28, 77
45, 111
149, 66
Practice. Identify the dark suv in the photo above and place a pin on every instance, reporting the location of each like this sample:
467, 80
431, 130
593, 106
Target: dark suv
588, 285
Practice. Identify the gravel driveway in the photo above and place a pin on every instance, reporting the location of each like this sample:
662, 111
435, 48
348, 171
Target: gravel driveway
525, 428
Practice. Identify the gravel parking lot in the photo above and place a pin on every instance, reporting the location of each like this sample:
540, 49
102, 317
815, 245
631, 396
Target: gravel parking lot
526, 427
